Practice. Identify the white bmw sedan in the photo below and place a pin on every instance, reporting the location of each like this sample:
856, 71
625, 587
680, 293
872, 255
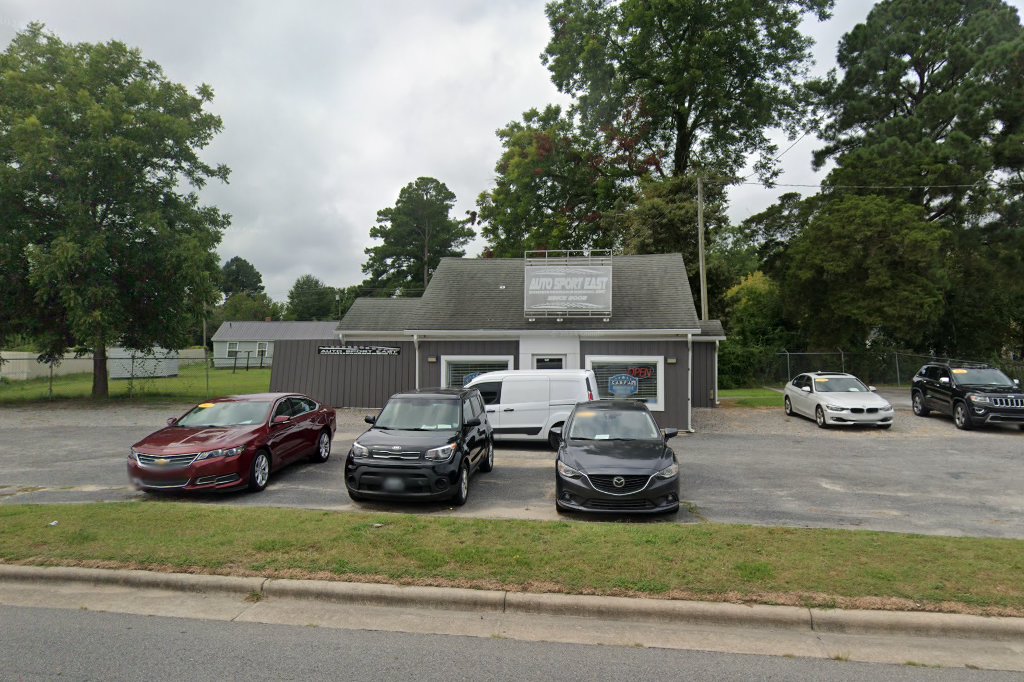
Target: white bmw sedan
836, 399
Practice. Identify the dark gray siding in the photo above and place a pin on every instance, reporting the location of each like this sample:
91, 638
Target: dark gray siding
343, 380
704, 373
430, 372
676, 379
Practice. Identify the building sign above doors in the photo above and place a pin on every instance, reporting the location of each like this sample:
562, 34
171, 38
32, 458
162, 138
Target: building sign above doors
567, 283
358, 350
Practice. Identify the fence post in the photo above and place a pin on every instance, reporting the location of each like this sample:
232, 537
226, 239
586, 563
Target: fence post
896, 355
789, 374
234, 364
51, 380
842, 358
248, 354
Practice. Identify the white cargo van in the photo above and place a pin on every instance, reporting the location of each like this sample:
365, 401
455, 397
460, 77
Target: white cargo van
523, 404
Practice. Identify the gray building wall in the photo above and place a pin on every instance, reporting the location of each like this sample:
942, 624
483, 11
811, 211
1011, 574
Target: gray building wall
430, 372
676, 376
343, 380
704, 374
245, 348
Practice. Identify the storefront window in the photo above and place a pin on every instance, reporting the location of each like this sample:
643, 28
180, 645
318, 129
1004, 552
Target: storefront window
630, 378
457, 371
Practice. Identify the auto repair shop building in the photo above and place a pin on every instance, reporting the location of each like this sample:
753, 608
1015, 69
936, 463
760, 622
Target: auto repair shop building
631, 319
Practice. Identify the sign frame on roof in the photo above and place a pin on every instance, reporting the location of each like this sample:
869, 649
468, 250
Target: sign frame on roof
567, 284
358, 350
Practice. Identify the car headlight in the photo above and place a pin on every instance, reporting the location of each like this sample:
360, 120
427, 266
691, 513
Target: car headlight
360, 450
886, 408
975, 398
670, 471
835, 408
567, 471
222, 452
133, 454
443, 453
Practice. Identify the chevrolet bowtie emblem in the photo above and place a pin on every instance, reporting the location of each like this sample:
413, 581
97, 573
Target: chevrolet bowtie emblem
162, 461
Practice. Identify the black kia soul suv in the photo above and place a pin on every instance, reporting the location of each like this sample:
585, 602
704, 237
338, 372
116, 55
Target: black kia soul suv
974, 394
424, 445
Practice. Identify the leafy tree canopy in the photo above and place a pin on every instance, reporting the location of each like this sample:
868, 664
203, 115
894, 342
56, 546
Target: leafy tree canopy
551, 191
866, 266
311, 299
931, 97
416, 233
683, 80
104, 242
239, 276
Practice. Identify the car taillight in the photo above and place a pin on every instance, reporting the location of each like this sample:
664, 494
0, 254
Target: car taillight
590, 395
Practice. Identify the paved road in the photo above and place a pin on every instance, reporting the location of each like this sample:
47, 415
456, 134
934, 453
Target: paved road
742, 466
44, 644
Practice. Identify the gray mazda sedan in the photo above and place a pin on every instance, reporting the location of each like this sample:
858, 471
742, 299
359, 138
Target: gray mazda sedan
613, 458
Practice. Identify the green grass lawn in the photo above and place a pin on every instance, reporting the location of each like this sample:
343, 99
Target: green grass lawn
750, 397
809, 567
188, 386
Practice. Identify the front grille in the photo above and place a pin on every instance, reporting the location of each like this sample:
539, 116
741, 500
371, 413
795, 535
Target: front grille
169, 483
1008, 402
166, 462
619, 505
605, 483
862, 410
395, 454
872, 410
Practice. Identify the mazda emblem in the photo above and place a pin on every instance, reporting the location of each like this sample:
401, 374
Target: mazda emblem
619, 482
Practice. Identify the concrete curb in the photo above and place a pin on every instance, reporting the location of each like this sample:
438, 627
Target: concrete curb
612, 608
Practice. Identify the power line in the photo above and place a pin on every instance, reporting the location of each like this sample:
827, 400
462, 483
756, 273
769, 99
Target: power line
821, 186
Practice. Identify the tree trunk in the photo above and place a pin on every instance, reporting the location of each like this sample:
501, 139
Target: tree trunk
99, 372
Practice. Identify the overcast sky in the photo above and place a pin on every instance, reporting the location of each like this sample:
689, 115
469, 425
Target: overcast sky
330, 108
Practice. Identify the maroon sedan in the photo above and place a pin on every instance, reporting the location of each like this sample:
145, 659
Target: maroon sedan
233, 442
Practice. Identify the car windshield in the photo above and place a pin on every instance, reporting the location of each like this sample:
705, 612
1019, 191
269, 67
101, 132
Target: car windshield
419, 414
981, 377
613, 425
229, 413
839, 385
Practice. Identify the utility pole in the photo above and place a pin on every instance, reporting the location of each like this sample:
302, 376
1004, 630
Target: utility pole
700, 249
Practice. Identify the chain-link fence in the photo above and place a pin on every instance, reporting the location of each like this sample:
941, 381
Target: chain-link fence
888, 367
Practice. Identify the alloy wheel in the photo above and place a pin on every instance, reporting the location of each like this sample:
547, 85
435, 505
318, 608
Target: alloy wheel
787, 406
819, 416
325, 446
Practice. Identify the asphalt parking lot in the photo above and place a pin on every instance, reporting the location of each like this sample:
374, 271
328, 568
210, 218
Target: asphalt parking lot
752, 466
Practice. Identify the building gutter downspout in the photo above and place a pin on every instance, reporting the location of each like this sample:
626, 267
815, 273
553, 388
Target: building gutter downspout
717, 401
416, 352
689, 383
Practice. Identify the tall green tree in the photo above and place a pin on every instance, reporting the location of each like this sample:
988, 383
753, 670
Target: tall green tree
551, 192
927, 112
416, 233
693, 82
99, 165
866, 267
238, 276
311, 299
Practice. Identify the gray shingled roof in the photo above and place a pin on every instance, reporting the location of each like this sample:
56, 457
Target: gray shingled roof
648, 292
711, 328
275, 331
380, 314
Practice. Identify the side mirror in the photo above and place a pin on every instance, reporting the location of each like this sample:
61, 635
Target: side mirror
670, 433
805, 389
475, 421
556, 431
370, 419
944, 381
872, 389
172, 421
281, 419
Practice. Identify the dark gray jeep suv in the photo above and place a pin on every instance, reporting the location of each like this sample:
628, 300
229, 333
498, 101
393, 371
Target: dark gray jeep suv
972, 393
